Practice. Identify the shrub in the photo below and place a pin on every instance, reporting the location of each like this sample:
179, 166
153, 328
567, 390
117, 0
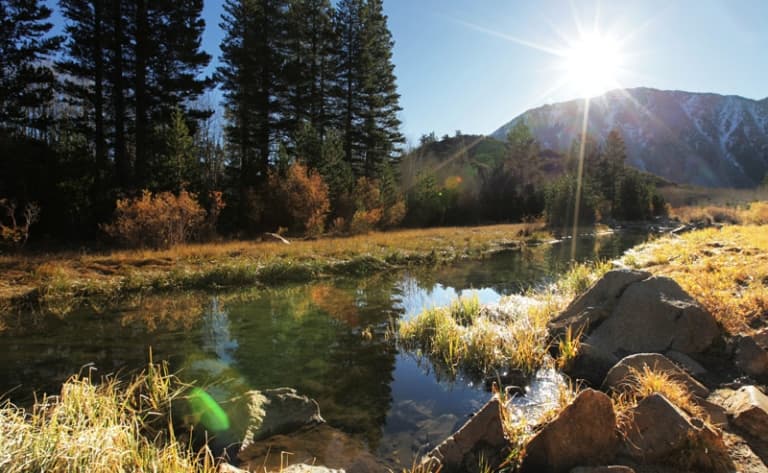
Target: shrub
305, 197
12, 233
159, 221
363, 221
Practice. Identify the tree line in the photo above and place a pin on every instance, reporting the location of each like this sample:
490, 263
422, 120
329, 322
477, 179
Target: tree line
110, 128
117, 105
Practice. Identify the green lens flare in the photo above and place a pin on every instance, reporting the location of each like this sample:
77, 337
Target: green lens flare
208, 411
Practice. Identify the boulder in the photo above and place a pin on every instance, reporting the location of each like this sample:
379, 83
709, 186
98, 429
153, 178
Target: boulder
312, 444
658, 431
603, 469
591, 364
584, 433
592, 307
481, 436
687, 363
620, 375
656, 315
750, 357
748, 408
277, 411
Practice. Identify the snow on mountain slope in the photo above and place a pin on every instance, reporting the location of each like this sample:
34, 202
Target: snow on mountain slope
693, 138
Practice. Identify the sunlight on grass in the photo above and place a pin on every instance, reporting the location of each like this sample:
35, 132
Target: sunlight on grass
59, 282
105, 427
511, 335
725, 269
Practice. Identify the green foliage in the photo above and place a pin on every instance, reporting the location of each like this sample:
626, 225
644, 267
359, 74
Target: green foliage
561, 202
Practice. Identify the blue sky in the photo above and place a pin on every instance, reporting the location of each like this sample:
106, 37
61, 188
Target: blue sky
469, 65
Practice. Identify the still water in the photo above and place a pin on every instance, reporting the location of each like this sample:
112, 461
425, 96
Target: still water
328, 339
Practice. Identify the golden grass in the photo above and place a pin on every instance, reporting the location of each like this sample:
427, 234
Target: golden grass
464, 337
60, 281
725, 269
106, 427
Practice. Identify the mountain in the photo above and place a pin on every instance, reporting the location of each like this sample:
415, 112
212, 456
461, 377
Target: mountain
692, 138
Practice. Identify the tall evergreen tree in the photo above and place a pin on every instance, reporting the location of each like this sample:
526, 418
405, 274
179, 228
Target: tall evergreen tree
381, 106
84, 69
26, 80
252, 61
308, 71
348, 24
129, 64
611, 167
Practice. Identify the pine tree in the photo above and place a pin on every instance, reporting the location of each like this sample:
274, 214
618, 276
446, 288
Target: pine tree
26, 81
251, 64
84, 69
610, 169
366, 89
348, 25
308, 70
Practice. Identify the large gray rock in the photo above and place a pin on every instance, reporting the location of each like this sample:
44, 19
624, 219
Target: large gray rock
748, 407
584, 433
590, 364
656, 315
619, 377
592, 307
750, 357
277, 411
481, 436
311, 445
659, 431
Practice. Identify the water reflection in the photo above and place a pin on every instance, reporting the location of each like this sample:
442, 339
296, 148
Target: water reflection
329, 340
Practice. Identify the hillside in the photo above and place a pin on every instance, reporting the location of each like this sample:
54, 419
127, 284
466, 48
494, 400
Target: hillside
692, 138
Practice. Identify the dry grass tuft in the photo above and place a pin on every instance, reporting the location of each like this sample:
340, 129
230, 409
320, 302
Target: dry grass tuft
512, 336
104, 427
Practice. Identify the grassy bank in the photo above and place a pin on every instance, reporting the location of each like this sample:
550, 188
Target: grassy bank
726, 269
101, 428
62, 281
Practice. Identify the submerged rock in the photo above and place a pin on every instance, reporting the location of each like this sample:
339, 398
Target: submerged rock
482, 436
620, 375
278, 411
603, 469
584, 433
312, 444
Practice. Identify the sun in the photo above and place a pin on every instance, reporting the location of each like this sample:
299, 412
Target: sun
592, 63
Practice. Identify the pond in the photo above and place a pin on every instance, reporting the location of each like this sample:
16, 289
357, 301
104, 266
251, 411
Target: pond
329, 339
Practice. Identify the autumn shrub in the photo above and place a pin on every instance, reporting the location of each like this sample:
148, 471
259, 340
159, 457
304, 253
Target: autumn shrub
158, 221
394, 214
364, 221
305, 196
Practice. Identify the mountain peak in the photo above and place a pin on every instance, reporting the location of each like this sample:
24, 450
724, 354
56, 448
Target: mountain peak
695, 138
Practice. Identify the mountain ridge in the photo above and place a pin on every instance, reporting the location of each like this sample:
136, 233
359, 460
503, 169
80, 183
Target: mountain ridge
699, 138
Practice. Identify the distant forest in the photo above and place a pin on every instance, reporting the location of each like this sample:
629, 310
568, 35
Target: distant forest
108, 132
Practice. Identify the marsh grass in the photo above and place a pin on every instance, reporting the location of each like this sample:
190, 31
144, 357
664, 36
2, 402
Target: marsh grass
477, 341
60, 282
109, 426
725, 269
